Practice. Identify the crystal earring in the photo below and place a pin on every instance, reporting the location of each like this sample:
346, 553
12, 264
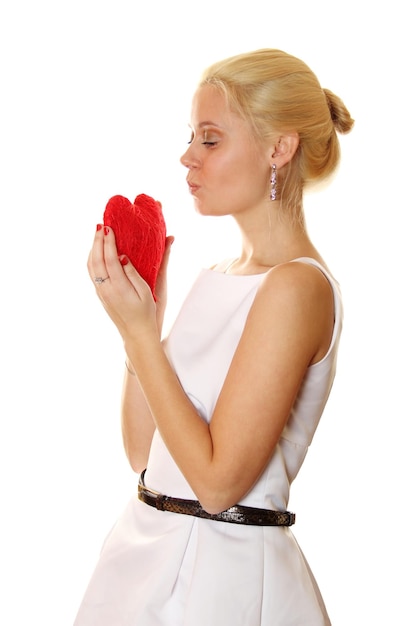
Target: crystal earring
273, 180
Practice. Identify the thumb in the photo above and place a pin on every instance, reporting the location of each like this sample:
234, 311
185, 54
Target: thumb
139, 284
168, 244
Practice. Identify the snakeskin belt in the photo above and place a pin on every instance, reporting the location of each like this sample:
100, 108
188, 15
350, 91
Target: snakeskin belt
235, 515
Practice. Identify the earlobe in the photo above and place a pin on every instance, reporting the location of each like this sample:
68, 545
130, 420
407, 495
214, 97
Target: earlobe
285, 148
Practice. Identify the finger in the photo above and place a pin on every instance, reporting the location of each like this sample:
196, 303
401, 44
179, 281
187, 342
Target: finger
111, 256
139, 284
168, 244
96, 263
161, 286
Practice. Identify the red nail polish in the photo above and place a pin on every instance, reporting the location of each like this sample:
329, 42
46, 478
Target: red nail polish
99, 227
124, 260
106, 230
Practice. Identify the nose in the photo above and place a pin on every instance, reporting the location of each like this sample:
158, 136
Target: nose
188, 159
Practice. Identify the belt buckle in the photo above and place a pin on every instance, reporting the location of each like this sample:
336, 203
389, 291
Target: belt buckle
158, 497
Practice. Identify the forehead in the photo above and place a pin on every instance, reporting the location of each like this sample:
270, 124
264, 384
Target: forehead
210, 106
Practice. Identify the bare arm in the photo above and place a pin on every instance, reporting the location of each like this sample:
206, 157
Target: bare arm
289, 328
137, 423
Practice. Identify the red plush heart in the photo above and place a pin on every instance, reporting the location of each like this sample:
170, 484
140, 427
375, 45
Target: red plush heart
140, 233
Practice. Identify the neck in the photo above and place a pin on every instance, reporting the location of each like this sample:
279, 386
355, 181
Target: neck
271, 241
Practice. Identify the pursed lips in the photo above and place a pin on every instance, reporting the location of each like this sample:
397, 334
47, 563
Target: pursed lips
192, 186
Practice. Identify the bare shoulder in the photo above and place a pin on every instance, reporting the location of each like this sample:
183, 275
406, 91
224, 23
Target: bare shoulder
297, 299
298, 280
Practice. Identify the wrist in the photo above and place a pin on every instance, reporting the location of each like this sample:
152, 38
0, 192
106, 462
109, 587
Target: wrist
129, 367
160, 314
139, 353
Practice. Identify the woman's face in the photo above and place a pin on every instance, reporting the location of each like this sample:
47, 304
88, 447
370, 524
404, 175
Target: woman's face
228, 170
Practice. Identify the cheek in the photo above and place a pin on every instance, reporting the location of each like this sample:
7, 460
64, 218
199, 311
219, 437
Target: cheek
222, 167
228, 172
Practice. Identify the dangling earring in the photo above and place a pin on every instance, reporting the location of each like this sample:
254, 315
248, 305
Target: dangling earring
273, 180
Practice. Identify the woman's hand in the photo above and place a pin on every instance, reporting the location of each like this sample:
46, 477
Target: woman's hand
124, 294
161, 284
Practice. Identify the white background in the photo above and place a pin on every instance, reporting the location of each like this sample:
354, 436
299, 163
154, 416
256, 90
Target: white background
94, 102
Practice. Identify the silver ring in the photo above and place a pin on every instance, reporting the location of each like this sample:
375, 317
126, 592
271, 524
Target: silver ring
99, 280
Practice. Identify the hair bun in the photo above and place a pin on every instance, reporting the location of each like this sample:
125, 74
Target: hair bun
341, 118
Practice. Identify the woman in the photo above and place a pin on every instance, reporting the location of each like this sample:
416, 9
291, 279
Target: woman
223, 411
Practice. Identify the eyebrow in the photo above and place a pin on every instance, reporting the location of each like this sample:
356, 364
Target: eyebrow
207, 123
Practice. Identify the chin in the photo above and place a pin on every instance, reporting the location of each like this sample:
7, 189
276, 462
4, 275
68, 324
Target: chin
200, 208
208, 211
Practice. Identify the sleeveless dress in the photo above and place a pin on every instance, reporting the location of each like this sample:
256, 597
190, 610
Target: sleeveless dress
158, 568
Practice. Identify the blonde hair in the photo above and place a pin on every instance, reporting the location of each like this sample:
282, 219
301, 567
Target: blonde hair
278, 93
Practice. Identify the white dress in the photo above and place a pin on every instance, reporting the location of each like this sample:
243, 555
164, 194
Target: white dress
165, 569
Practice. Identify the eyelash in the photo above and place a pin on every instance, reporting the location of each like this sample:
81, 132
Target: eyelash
204, 143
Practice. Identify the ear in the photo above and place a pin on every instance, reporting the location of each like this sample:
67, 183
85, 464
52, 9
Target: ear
285, 148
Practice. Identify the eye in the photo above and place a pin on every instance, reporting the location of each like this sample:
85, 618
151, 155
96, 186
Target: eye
206, 139
191, 140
